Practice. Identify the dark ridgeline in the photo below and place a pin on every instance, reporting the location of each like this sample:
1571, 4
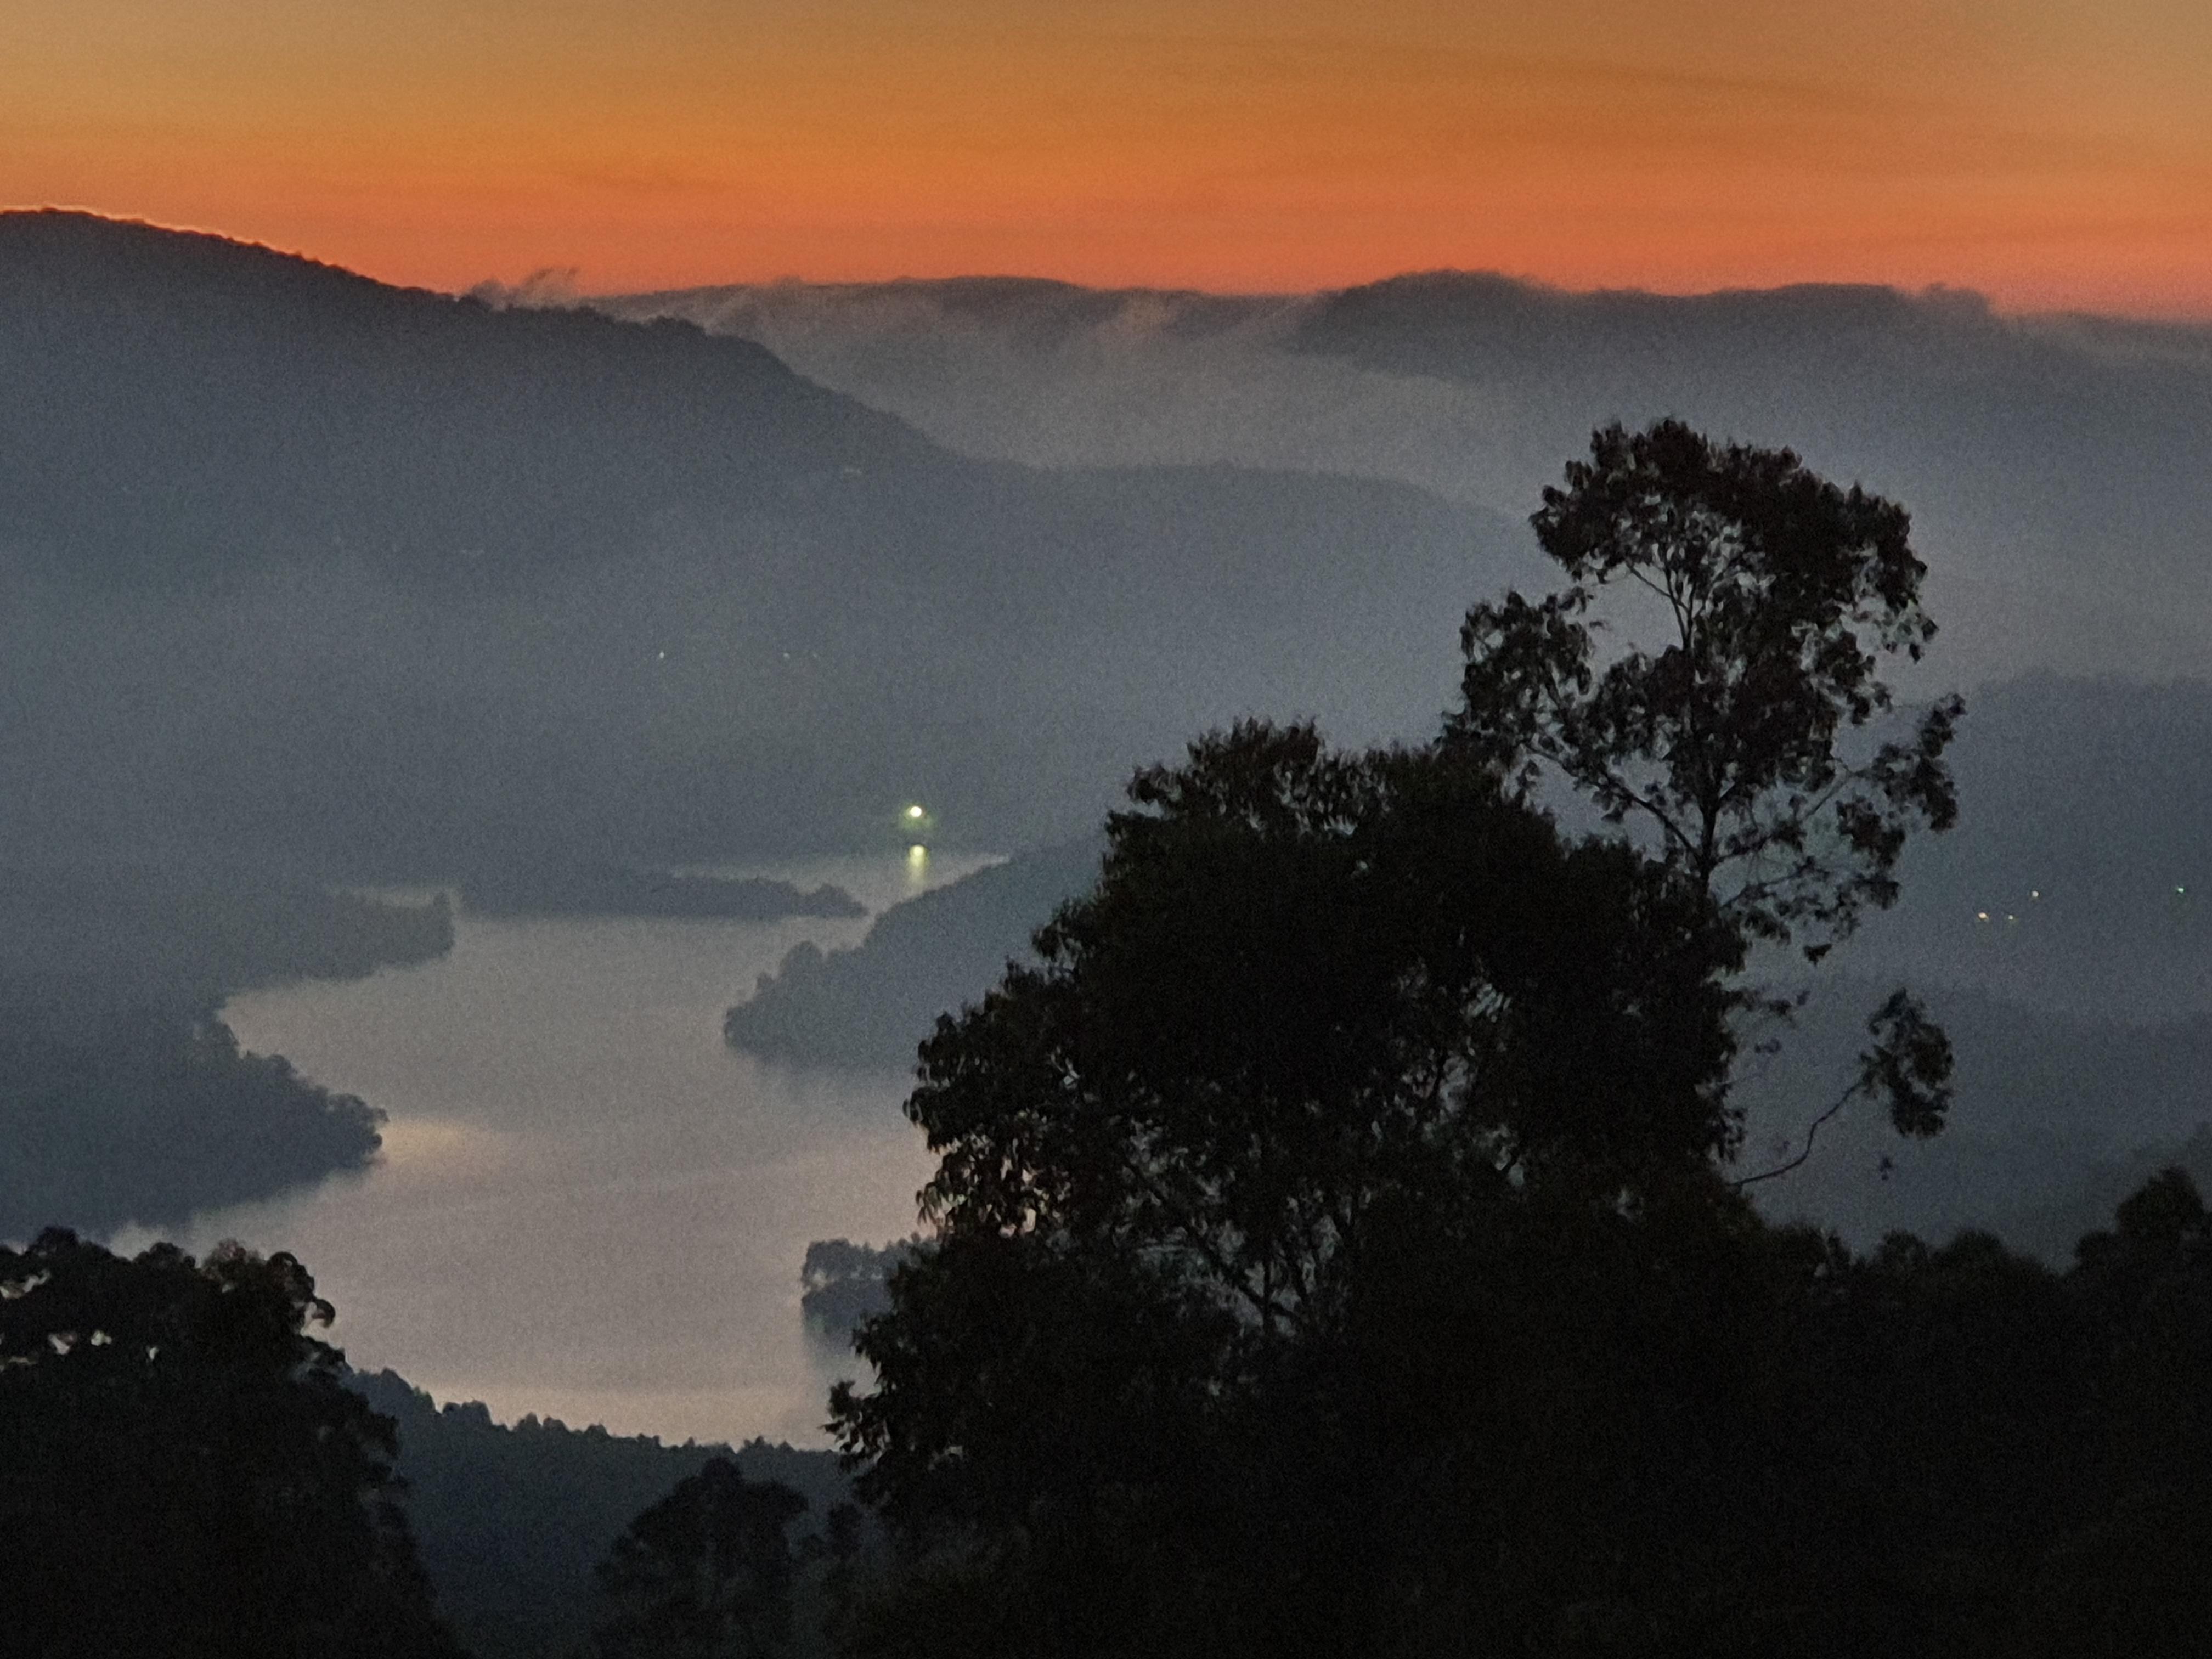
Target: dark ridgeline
512, 1522
398, 585
616, 890
2043, 437
182, 406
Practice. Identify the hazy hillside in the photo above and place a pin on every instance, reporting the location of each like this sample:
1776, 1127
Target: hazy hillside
2047, 1107
2080, 877
395, 583
2055, 467
122, 1096
871, 1004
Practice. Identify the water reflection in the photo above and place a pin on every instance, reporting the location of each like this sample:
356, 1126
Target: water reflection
589, 1207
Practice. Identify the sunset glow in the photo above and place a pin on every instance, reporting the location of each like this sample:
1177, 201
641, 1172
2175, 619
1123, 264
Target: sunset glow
2052, 154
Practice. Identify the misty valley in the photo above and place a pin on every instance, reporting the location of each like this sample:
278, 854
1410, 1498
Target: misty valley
993, 969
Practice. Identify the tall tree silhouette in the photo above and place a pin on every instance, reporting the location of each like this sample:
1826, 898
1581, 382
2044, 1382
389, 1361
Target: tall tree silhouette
1332, 1238
1717, 648
1776, 594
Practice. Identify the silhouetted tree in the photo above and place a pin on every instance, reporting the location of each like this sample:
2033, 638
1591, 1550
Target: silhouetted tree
1336, 1036
706, 1573
185, 1473
1333, 1253
1774, 596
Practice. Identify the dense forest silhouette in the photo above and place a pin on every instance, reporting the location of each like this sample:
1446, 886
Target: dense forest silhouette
511, 1521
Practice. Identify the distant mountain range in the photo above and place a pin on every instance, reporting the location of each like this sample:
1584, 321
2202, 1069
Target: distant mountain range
329, 577
2059, 469
307, 568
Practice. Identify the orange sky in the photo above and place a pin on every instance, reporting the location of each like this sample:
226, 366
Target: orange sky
2052, 152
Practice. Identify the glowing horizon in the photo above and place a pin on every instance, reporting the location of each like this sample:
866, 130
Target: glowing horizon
2045, 157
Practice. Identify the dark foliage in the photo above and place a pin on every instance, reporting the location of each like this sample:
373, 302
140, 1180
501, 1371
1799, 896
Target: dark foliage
706, 1573
1332, 1258
1777, 594
1333, 1250
511, 1520
1325, 1018
186, 1474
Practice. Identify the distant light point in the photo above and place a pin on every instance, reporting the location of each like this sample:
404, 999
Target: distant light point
916, 813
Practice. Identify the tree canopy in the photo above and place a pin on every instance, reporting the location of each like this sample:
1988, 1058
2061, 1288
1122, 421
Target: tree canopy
705, 1573
1775, 596
1772, 598
186, 1474
1333, 1032
1333, 1247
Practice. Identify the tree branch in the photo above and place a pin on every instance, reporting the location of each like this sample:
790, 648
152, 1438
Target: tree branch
1812, 1130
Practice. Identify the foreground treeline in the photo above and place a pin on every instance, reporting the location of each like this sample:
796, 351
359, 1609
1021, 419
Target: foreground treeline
512, 1522
1679, 1433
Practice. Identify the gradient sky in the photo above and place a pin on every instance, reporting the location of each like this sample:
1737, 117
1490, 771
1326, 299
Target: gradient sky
2052, 152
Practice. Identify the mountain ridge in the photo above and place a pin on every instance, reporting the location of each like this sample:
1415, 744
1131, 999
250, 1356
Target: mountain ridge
387, 585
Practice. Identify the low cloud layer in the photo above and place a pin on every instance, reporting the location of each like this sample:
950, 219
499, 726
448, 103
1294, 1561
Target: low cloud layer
2054, 464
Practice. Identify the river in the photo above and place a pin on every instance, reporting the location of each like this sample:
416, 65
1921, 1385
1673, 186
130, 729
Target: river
588, 1208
